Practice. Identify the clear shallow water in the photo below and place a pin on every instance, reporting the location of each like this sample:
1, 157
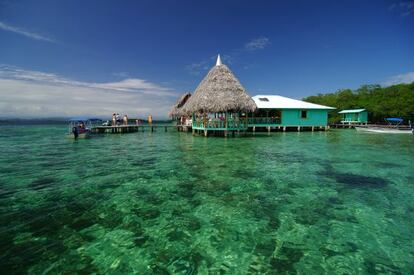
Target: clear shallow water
339, 202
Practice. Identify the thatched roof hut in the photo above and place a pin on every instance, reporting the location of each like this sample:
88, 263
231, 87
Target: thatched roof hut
177, 109
220, 91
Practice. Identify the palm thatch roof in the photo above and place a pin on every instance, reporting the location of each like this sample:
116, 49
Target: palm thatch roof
220, 91
177, 109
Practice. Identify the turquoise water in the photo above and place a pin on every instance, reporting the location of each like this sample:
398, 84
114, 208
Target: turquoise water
338, 202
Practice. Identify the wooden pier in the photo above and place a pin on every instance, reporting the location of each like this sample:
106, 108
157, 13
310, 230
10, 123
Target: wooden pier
119, 129
348, 125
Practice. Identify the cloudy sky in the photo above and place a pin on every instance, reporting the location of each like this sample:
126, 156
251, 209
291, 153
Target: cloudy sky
66, 58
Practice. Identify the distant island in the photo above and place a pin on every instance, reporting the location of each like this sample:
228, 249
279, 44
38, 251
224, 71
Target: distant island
381, 102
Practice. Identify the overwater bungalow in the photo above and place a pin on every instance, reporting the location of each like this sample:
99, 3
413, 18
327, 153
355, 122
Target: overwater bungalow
220, 104
283, 112
354, 116
177, 113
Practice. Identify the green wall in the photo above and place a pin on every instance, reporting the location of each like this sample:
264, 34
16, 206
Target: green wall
361, 117
292, 117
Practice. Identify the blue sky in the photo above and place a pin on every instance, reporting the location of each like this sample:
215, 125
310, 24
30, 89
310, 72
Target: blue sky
61, 58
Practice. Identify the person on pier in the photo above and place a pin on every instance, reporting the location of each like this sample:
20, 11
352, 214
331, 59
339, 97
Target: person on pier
118, 119
125, 120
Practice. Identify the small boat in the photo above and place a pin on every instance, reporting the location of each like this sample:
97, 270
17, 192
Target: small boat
80, 128
394, 127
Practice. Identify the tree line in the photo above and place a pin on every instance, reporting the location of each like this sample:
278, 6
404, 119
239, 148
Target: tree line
380, 102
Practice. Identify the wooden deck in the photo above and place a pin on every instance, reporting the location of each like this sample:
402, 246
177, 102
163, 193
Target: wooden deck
132, 128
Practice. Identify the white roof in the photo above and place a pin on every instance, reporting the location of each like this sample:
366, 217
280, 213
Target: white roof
351, 111
281, 102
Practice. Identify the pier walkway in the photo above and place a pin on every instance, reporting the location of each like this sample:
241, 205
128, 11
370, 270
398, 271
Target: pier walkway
131, 128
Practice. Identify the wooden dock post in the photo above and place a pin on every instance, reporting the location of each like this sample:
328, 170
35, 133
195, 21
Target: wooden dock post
298, 128
284, 128
268, 129
313, 128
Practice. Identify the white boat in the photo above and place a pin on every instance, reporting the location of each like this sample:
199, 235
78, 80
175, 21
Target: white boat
394, 127
384, 130
80, 128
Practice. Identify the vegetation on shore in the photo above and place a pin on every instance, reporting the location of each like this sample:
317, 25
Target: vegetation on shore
381, 102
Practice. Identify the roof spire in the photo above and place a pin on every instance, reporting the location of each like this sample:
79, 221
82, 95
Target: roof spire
218, 63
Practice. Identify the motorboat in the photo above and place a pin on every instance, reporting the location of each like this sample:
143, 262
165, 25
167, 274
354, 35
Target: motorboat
393, 127
81, 128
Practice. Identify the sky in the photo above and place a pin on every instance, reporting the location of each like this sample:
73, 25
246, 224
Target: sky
67, 58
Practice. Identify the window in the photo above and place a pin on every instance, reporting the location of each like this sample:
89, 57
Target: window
263, 99
303, 114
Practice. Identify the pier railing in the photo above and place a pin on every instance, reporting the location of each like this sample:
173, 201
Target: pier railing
220, 123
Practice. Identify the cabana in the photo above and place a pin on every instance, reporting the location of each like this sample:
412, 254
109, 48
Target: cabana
283, 112
354, 116
220, 103
177, 113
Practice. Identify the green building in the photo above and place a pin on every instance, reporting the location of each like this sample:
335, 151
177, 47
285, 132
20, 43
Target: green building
283, 112
221, 105
355, 116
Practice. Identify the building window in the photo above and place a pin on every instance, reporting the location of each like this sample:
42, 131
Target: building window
303, 114
263, 99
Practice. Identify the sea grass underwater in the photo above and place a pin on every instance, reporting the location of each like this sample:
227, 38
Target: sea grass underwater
336, 202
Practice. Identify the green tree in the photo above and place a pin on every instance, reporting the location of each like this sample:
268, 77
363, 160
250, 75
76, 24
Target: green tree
381, 102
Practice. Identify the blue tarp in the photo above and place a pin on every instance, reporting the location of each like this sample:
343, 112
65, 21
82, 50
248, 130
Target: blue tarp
394, 119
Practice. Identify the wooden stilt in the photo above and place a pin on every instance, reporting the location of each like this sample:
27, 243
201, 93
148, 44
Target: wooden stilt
298, 128
313, 128
284, 128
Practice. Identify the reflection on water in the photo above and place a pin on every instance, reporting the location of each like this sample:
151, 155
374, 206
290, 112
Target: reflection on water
338, 202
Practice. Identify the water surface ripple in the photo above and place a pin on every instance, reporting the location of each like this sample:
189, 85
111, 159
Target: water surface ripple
168, 203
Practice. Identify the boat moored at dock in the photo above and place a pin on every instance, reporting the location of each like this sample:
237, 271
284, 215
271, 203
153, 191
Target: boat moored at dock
81, 128
384, 129
394, 127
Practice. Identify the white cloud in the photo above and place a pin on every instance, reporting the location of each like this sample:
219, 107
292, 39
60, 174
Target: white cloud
26, 33
405, 8
200, 67
131, 85
204, 65
26, 93
398, 79
257, 44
